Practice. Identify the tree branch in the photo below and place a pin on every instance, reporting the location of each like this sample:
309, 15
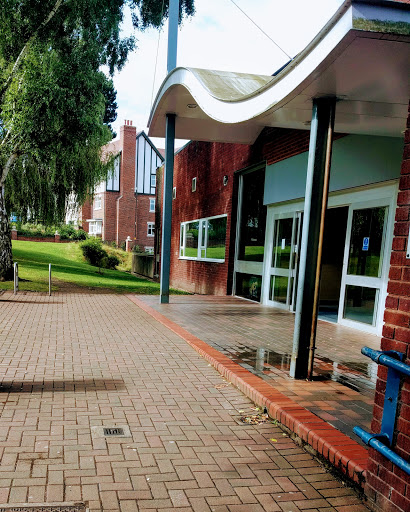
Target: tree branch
12, 158
23, 52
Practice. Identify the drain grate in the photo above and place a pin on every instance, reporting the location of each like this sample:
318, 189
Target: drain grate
76, 507
101, 432
113, 431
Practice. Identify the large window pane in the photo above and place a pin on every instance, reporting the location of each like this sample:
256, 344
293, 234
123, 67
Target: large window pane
191, 239
282, 243
253, 217
279, 288
365, 255
249, 286
215, 247
360, 304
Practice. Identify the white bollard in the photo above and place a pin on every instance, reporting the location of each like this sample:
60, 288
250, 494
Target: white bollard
49, 279
16, 278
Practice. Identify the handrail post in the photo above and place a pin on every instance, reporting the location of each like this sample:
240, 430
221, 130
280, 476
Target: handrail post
16, 278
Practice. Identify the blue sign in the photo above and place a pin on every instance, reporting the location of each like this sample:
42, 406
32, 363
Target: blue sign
366, 241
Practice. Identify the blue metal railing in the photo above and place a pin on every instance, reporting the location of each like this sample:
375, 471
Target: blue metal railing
382, 442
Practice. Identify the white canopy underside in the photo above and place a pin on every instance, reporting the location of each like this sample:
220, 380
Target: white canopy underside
367, 70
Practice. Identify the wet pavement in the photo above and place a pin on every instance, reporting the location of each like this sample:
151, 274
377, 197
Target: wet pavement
260, 339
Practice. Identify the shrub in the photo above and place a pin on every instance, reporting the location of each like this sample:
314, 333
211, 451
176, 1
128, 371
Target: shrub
110, 261
66, 231
80, 235
93, 251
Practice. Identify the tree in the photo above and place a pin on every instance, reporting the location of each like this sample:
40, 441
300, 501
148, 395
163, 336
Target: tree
56, 104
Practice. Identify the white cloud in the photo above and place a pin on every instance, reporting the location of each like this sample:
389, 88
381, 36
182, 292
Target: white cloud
220, 37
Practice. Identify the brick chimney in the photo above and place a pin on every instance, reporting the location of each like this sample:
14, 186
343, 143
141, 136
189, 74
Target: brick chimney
126, 202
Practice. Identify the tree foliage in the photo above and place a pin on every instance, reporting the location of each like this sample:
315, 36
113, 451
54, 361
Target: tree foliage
56, 104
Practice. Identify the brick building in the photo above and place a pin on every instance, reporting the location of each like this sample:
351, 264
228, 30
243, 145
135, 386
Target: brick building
124, 205
248, 178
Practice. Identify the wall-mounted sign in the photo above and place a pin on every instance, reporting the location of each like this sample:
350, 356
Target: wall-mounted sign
366, 241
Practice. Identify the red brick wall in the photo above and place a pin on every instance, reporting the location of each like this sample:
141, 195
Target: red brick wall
388, 488
86, 214
209, 162
143, 217
109, 232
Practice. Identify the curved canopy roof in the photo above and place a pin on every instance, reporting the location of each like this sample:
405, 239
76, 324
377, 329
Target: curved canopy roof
361, 56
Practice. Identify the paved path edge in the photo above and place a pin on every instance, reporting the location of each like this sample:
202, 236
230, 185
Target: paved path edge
345, 454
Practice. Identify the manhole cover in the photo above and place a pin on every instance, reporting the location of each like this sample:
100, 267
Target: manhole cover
76, 507
116, 431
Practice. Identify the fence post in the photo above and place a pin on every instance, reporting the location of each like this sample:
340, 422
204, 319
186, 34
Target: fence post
16, 278
49, 279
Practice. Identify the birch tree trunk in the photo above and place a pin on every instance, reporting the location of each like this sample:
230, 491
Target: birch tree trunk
6, 255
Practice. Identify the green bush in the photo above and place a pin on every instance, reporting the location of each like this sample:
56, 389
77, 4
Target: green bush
66, 231
110, 261
80, 234
93, 251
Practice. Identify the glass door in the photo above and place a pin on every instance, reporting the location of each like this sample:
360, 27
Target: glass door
363, 275
284, 260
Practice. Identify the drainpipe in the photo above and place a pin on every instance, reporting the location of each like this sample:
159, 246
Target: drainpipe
118, 219
169, 161
317, 187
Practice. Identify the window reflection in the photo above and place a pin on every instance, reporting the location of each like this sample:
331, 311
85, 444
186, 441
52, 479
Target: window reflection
365, 256
253, 217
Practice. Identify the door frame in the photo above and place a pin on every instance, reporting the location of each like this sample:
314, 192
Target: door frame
275, 214
378, 283
382, 194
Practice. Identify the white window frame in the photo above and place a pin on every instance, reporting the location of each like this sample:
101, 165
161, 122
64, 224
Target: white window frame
153, 180
152, 205
174, 193
150, 228
98, 202
193, 184
202, 239
113, 178
95, 227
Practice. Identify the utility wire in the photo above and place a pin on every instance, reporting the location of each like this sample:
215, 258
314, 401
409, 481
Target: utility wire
263, 32
156, 58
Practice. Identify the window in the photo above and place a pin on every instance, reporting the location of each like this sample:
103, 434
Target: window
193, 184
150, 229
152, 205
153, 180
97, 202
95, 227
252, 217
204, 239
113, 178
174, 192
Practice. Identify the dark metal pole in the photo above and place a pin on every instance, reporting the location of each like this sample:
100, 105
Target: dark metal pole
317, 186
169, 160
167, 208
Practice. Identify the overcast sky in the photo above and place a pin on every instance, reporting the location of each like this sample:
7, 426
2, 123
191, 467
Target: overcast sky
220, 37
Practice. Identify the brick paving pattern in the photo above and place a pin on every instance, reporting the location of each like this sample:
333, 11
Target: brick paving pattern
260, 340
73, 362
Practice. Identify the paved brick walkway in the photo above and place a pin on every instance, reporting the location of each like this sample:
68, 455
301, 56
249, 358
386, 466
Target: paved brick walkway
71, 364
260, 340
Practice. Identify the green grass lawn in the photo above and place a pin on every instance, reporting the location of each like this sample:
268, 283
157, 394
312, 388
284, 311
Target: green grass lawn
69, 266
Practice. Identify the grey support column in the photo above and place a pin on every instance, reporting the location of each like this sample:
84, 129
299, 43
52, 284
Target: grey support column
169, 161
317, 186
167, 208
